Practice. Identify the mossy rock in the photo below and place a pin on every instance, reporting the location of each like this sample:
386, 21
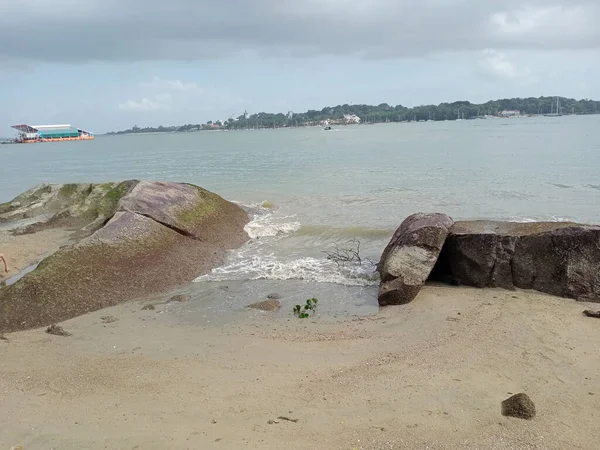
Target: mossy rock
155, 238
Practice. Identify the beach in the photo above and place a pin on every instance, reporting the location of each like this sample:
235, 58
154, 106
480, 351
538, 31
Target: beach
430, 374
22, 251
210, 373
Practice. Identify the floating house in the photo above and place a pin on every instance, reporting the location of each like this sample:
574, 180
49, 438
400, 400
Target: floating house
50, 133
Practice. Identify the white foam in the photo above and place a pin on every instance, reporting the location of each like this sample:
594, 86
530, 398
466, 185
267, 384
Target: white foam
259, 259
268, 267
268, 225
546, 219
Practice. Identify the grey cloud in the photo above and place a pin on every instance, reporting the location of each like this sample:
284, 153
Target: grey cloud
130, 30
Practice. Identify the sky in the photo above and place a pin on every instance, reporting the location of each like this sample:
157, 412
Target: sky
105, 65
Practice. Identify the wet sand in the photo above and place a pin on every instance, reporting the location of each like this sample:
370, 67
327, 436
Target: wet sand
431, 374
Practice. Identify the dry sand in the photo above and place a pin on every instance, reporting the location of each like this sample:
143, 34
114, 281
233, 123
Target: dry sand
22, 251
428, 375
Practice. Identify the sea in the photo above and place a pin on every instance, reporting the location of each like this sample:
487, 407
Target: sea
309, 192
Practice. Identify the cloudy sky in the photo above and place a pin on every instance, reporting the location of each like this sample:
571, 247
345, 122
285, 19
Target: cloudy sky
110, 64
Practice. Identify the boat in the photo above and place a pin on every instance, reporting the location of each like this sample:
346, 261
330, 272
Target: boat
328, 128
552, 113
28, 134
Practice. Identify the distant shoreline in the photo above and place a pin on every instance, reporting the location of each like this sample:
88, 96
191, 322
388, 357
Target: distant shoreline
339, 125
383, 113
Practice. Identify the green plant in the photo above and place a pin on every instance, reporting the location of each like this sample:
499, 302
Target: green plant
304, 311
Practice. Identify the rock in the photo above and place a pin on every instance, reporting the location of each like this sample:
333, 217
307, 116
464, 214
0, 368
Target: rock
590, 313
561, 259
82, 206
410, 256
57, 330
520, 406
108, 319
149, 308
158, 237
179, 298
266, 305
274, 296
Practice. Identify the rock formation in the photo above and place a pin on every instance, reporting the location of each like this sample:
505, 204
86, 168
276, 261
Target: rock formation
410, 256
561, 259
557, 258
142, 238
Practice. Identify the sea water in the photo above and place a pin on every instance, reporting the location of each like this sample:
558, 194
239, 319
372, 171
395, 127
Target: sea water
347, 187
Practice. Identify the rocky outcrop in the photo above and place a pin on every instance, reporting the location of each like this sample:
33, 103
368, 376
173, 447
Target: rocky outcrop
561, 259
150, 237
410, 256
80, 206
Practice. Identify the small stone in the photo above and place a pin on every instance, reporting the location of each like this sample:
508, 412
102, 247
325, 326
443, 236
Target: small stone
267, 305
149, 308
179, 298
17, 447
108, 319
590, 313
274, 296
520, 406
57, 330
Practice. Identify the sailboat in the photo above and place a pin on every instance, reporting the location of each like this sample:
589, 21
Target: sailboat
552, 113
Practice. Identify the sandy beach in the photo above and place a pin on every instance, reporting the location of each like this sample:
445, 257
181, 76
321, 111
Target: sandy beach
430, 374
22, 251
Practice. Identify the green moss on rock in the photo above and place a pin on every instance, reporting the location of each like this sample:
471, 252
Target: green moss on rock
107, 205
68, 190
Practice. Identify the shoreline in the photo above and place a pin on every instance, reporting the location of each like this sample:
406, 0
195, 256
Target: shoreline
431, 373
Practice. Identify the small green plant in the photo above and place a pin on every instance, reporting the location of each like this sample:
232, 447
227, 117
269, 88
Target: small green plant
304, 311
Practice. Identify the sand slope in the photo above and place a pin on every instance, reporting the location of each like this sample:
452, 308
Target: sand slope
416, 376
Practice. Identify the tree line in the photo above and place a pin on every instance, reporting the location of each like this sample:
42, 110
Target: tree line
386, 113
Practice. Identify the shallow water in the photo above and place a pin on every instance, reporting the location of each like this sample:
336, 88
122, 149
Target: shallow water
357, 182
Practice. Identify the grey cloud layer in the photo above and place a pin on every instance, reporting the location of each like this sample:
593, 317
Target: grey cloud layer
81, 30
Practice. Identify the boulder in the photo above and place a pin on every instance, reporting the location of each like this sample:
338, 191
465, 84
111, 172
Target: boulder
410, 256
158, 237
519, 406
561, 259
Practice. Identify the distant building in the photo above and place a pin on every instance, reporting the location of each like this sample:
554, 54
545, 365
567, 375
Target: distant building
509, 113
351, 118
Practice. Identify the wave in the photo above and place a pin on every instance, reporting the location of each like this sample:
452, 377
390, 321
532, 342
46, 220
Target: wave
265, 222
269, 267
267, 226
545, 219
261, 257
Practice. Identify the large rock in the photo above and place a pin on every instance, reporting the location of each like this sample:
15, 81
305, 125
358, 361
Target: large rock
410, 256
561, 259
161, 236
